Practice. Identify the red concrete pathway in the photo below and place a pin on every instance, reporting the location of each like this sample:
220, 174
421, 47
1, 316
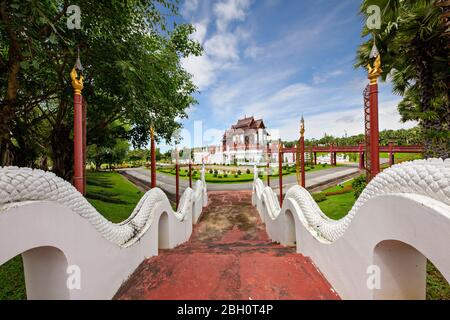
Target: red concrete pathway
229, 256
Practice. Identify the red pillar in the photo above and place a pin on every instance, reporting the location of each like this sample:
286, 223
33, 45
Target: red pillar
334, 159
331, 154
374, 133
190, 174
177, 183
391, 154
302, 161
280, 170
361, 157
315, 158
268, 165
84, 144
78, 179
152, 159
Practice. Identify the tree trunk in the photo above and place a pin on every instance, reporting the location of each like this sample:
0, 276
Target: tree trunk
435, 143
62, 152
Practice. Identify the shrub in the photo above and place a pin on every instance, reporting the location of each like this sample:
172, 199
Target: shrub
225, 175
236, 175
319, 197
312, 167
324, 165
186, 170
211, 171
345, 189
248, 171
216, 172
358, 185
220, 177
239, 172
215, 175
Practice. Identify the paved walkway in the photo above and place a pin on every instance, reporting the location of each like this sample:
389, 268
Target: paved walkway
313, 180
228, 257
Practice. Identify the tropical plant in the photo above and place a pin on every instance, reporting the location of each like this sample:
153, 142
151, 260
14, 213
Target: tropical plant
415, 58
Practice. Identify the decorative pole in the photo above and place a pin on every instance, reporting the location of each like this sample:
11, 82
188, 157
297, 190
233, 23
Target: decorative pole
391, 154
78, 162
374, 73
361, 157
280, 169
302, 152
190, 173
152, 158
268, 165
177, 178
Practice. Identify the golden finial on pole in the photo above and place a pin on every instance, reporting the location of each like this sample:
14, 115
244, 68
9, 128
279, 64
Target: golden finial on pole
375, 71
77, 81
302, 127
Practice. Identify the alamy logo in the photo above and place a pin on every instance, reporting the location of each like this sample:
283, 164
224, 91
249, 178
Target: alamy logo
74, 279
374, 17
74, 20
374, 280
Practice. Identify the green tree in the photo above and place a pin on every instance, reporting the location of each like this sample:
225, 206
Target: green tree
133, 75
415, 56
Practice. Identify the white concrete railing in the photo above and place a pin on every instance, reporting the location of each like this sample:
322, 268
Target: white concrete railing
58, 232
378, 250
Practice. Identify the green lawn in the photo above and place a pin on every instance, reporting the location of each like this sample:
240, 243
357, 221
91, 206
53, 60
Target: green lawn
232, 178
110, 193
337, 207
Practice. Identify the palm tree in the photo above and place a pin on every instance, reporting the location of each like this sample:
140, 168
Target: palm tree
415, 57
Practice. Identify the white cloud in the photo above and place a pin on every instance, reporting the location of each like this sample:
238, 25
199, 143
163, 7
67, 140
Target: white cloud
229, 10
339, 122
253, 51
201, 29
202, 70
223, 47
319, 78
189, 7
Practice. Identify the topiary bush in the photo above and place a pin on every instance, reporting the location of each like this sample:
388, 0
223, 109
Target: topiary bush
319, 197
358, 185
248, 171
225, 175
239, 172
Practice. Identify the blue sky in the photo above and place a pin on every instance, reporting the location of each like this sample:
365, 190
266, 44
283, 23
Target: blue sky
277, 60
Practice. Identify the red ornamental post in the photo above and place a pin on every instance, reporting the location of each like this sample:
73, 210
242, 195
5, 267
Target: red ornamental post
177, 179
268, 165
190, 174
315, 158
361, 157
391, 154
78, 163
280, 169
84, 144
374, 73
302, 152
152, 158
331, 154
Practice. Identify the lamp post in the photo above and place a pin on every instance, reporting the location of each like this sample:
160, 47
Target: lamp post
152, 158
302, 152
280, 169
373, 74
78, 161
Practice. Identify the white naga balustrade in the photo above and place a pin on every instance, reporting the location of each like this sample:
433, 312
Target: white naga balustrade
379, 250
63, 239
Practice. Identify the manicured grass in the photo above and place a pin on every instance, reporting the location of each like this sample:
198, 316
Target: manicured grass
337, 207
12, 281
231, 178
110, 193
400, 157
